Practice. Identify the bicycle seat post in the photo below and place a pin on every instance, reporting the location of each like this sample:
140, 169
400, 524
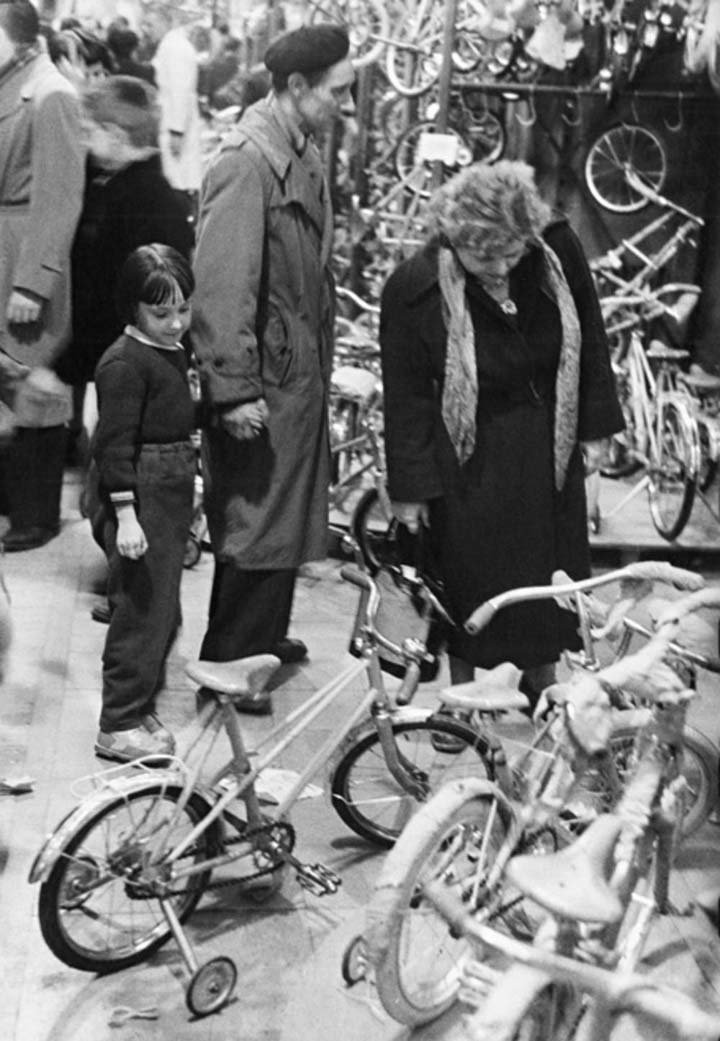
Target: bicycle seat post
240, 764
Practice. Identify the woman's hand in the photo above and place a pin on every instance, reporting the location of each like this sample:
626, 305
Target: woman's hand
131, 541
23, 307
412, 515
595, 454
246, 421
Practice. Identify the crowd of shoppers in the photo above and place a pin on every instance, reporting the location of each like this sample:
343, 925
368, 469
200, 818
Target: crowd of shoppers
497, 381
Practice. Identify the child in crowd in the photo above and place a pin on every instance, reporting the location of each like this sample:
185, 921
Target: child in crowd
146, 464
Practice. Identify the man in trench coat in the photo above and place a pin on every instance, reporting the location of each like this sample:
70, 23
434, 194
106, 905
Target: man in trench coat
263, 336
42, 170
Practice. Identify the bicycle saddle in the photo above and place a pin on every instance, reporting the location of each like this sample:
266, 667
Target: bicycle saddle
661, 352
236, 678
573, 883
349, 381
700, 382
492, 690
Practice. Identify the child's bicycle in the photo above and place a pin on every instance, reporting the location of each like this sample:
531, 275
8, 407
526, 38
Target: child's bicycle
469, 832
127, 866
599, 894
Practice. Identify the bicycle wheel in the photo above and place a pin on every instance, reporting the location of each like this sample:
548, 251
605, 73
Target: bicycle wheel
374, 530
366, 21
624, 148
673, 467
373, 803
486, 137
414, 58
699, 768
96, 908
709, 436
417, 958
416, 173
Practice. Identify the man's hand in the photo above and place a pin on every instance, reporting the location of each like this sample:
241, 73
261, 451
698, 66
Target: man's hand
244, 422
131, 541
595, 454
412, 515
23, 307
175, 143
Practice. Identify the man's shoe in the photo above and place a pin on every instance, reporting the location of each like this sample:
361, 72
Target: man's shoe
16, 539
101, 612
159, 731
125, 745
290, 651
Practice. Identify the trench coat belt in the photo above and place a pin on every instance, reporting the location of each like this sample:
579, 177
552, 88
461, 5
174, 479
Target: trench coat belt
14, 206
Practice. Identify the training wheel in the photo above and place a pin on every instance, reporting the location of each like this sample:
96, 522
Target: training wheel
211, 986
355, 961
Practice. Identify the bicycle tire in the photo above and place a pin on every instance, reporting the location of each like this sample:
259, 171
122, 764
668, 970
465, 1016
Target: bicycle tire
374, 531
366, 21
600, 787
361, 783
102, 938
673, 468
416, 958
615, 150
414, 59
709, 451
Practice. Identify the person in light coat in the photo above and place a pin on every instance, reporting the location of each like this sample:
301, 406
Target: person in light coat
41, 184
262, 333
176, 77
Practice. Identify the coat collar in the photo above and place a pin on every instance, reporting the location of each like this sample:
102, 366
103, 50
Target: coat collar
422, 269
259, 125
21, 79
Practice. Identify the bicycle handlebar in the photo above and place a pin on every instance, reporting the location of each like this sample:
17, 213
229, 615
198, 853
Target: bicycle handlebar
622, 991
355, 576
348, 294
638, 185
649, 571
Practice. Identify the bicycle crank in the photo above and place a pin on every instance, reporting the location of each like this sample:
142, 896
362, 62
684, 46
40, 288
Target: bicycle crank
316, 878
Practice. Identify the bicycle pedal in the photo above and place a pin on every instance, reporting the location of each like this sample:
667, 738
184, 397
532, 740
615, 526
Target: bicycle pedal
317, 879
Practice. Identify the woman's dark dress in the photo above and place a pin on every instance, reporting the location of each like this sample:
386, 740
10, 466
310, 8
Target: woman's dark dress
498, 522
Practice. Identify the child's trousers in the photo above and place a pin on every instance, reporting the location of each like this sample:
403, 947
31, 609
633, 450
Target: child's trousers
144, 594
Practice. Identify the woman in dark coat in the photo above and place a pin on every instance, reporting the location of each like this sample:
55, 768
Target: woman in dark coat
498, 397
128, 203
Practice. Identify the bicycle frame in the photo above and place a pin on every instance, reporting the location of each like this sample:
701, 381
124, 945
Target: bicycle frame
612, 991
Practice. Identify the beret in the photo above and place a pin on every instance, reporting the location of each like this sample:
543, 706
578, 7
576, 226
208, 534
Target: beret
308, 49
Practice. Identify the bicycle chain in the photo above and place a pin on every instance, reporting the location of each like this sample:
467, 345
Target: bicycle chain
284, 844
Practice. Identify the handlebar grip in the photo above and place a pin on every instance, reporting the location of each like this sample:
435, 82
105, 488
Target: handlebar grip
409, 684
686, 605
661, 571
351, 573
481, 617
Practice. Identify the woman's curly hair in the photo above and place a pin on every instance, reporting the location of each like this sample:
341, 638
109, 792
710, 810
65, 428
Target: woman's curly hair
486, 207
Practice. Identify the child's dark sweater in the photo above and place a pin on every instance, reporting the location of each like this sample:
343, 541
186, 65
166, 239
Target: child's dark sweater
143, 399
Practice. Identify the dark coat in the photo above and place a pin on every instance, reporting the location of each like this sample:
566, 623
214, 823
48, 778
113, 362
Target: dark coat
498, 522
262, 327
133, 207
